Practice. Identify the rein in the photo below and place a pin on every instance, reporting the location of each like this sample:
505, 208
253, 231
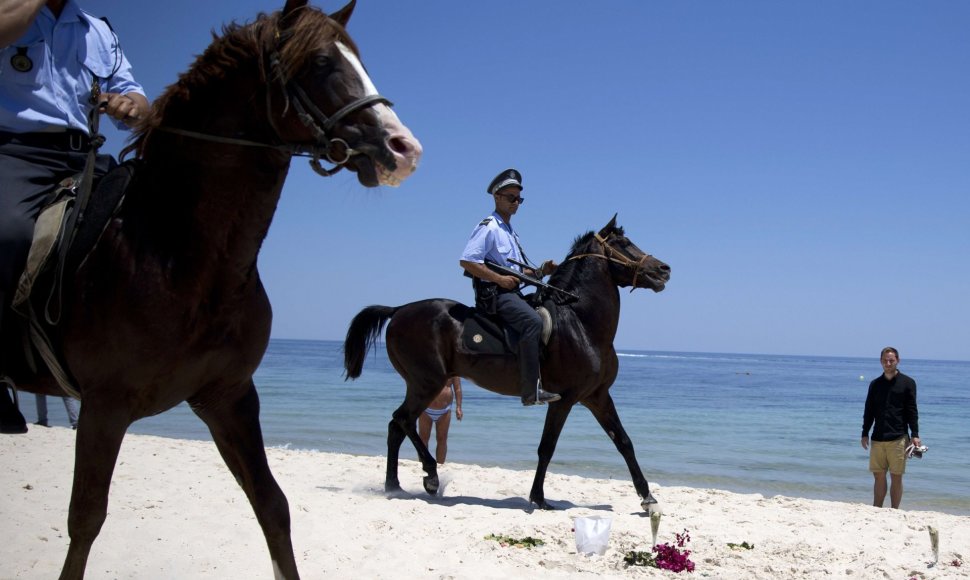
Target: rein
82, 193
319, 124
611, 256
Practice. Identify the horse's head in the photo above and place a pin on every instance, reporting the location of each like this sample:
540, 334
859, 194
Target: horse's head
329, 107
629, 265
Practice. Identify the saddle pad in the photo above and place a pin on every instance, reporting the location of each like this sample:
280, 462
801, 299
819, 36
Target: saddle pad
47, 232
37, 291
483, 335
103, 205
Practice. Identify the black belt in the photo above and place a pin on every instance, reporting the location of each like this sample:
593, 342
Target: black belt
72, 140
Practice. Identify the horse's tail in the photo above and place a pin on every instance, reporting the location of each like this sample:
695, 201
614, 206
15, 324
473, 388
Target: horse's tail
364, 331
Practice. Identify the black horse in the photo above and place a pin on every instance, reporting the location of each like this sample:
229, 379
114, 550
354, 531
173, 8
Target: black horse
424, 343
169, 306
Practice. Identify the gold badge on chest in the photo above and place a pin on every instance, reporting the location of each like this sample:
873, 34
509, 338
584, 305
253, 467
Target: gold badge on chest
20, 61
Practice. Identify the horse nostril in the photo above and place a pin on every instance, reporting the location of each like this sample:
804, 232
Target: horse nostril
402, 145
398, 145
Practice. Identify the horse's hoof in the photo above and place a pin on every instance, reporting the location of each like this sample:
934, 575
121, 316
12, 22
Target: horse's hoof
431, 485
650, 505
542, 504
391, 486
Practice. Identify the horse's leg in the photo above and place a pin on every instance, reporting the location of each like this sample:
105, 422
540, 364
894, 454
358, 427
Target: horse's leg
605, 413
555, 419
234, 425
403, 424
101, 429
428, 462
395, 436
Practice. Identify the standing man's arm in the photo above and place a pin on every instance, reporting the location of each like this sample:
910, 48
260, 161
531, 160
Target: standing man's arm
868, 417
912, 415
16, 17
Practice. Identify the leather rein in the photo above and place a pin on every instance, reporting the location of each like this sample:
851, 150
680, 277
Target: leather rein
320, 125
616, 256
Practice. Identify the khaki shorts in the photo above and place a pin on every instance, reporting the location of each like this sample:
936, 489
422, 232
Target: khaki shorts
888, 456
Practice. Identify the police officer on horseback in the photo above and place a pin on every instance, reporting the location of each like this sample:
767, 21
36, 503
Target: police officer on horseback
494, 241
56, 63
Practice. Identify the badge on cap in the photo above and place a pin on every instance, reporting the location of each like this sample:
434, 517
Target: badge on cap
20, 61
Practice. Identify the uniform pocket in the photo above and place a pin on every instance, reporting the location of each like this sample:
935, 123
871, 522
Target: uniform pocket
99, 59
25, 65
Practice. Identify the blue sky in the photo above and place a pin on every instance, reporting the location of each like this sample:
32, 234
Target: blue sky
804, 167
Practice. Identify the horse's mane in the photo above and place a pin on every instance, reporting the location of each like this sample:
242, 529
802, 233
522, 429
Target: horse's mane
306, 31
568, 274
582, 241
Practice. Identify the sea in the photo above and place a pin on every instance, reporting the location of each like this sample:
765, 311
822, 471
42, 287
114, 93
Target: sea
747, 423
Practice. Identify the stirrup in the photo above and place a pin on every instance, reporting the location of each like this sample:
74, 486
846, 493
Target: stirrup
540, 397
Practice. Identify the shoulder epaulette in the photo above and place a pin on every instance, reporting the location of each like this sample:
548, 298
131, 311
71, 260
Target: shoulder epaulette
486, 221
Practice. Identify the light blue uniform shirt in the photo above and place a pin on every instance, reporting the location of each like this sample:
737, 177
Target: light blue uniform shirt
495, 241
65, 53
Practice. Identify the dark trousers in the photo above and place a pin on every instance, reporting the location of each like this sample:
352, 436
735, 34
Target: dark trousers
523, 319
31, 166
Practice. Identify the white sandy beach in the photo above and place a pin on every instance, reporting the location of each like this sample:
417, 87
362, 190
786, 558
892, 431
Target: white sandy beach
175, 512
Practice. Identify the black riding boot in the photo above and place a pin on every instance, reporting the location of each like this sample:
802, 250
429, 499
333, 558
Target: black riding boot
532, 391
11, 419
522, 318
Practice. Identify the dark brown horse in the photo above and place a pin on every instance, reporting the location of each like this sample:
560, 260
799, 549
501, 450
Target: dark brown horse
424, 343
168, 306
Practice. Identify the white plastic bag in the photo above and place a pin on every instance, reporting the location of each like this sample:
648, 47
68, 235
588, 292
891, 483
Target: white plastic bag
592, 534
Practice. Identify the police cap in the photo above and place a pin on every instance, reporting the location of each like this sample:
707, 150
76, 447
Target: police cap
509, 177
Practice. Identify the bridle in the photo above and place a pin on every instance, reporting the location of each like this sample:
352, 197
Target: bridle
614, 255
325, 145
319, 124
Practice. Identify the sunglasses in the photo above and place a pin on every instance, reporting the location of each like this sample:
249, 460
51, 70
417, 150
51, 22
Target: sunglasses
510, 198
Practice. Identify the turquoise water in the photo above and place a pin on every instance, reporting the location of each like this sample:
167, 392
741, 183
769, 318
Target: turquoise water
774, 425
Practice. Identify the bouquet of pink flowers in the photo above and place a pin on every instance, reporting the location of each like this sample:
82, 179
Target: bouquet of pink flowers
666, 557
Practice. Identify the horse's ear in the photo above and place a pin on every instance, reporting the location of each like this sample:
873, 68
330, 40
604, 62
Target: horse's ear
292, 5
609, 227
343, 15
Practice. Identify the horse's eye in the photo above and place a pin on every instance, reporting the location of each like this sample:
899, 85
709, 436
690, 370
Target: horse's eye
322, 61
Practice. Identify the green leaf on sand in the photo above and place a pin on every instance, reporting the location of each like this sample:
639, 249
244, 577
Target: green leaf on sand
640, 559
526, 542
741, 546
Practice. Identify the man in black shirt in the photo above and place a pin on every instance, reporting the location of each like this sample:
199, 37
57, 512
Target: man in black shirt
891, 413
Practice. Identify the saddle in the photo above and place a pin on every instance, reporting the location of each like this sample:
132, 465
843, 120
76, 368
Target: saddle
485, 334
56, 254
